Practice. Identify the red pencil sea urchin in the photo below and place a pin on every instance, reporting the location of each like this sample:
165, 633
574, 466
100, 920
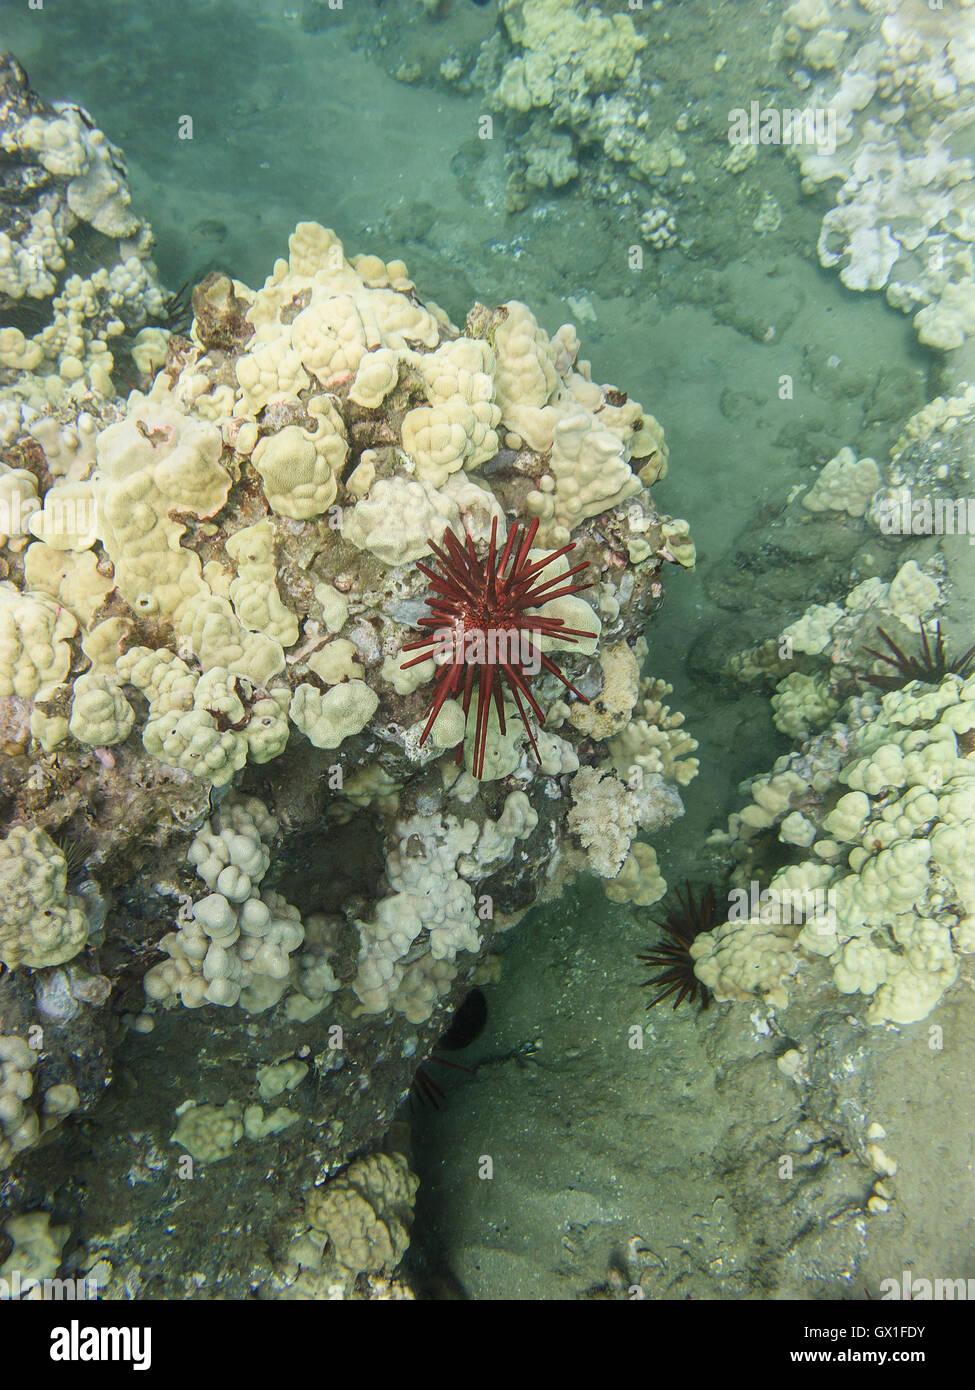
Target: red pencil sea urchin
482, 627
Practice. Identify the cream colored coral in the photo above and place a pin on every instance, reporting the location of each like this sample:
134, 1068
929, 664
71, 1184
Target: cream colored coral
771, 797
193, 742
376, 375
502, 751
372, 785
944, 413
457, 429
18, 504
423, 866
746, 959
443, 438
404, 682
590, 50
186, 713
211, 630
654, 740
155, 463
450, 725
639, 881
912, 593
425, 982
590, 473
802, 703
18, 352
67, 518
19, 1124
811, 633
845, 484
610, 711
73, 580
573, 610
335, 606
947, 322
898, 883
271, 367
336, 661
235, 945
394, 520
36, 1249
678, 544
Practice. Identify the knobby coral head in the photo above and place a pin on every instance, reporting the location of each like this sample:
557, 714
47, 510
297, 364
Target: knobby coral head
485, 627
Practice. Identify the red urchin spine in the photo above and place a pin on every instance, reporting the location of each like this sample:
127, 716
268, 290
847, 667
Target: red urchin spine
482, 630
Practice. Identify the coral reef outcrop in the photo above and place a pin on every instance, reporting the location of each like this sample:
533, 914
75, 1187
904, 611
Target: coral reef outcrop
223, 838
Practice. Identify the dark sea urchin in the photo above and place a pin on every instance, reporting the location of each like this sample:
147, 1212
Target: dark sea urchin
685, 921
931, 666
482, 620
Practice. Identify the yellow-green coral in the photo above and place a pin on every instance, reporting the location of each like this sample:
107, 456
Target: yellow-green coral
34, 650
40, 922
327, 720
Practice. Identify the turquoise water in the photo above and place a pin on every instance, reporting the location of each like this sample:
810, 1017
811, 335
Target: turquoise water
356, 118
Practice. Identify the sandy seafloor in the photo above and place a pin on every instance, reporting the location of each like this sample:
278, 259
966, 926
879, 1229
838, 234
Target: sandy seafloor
595, 1145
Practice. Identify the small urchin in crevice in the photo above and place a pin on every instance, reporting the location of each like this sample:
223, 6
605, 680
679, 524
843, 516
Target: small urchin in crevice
685, 920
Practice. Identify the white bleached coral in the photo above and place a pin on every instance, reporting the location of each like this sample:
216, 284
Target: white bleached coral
235, 945
432, 914
902, 107
606, 814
